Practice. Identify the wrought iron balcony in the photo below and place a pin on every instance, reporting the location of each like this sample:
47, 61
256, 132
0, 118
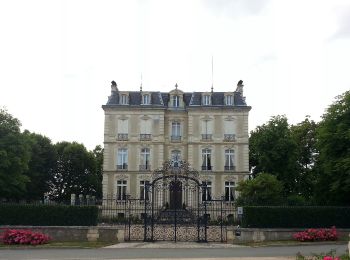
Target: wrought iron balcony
206, 137
229, 137
145, 137
230, 168
207, 168
123, 137
145, 167
176, 138
122, 167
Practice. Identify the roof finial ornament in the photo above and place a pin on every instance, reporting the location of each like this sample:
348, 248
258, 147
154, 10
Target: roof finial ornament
212, 73
141, 84
176, 86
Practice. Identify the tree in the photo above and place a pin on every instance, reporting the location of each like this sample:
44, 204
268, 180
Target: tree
265, 189
75, 172
273, 150
98, 155
304, 136
14, 157
41, 165
333, 135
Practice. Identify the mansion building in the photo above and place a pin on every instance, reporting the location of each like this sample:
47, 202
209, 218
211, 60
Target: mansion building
143, 129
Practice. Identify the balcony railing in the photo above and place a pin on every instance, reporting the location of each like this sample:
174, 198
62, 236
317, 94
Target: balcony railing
229, 137
230, 168
145, 137
122, 167
123, 137
176, 138
207, 168
206, 137
145, 167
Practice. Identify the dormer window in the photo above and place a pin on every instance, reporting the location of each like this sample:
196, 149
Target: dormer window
176, 101
229, 100
206, 100
146, 99
124, 99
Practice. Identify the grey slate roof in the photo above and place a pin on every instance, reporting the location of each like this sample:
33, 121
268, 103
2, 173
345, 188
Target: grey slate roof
161, 99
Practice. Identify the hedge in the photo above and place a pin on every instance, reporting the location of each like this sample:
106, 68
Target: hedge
295, 217
48, 215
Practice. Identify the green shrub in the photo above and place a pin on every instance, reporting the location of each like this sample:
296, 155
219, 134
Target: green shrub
295, 217
48, 215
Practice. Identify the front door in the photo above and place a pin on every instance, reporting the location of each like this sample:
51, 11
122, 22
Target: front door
175, 195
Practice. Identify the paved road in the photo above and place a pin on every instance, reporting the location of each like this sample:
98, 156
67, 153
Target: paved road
142, 253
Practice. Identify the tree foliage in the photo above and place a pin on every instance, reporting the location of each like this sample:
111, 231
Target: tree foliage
75, 172
31, 166
265, 189
304, 136
273, 150
40, 166
14, 157
333, 133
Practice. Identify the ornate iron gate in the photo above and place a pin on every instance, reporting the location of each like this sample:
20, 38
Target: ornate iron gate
174, 209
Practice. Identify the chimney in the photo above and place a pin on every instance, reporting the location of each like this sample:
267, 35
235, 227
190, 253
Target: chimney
114, 87
240, 86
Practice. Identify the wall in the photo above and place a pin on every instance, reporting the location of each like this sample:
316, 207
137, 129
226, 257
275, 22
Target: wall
77, 233
273, 234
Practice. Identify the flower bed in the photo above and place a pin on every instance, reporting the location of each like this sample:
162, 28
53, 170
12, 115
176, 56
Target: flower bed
24, 237
320, 234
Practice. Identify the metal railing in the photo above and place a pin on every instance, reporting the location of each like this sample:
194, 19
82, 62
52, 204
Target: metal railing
123, 137
145, 167
145, 137
176, 138
207, 168
122, 167
207, 137
229, 137
230, 168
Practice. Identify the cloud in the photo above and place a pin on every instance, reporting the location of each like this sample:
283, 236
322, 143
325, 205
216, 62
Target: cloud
343, 17
236, 8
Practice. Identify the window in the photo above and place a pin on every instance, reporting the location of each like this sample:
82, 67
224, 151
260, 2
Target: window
146, 99
176, 101
145, 159
145, 131
206, 160
122, 159
124, 99
123, 129
229, 131
206, 194
144, 193
206, 100
121, 190
176, 157
206, 130
229, 160
229, 190
175, 131
229, 100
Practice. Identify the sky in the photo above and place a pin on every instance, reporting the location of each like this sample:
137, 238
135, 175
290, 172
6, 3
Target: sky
58, 58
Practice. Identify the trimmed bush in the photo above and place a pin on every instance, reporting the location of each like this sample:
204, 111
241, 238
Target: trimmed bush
24, 237
295, 217
48, 215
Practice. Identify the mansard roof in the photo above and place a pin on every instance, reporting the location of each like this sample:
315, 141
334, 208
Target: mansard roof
191, 99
